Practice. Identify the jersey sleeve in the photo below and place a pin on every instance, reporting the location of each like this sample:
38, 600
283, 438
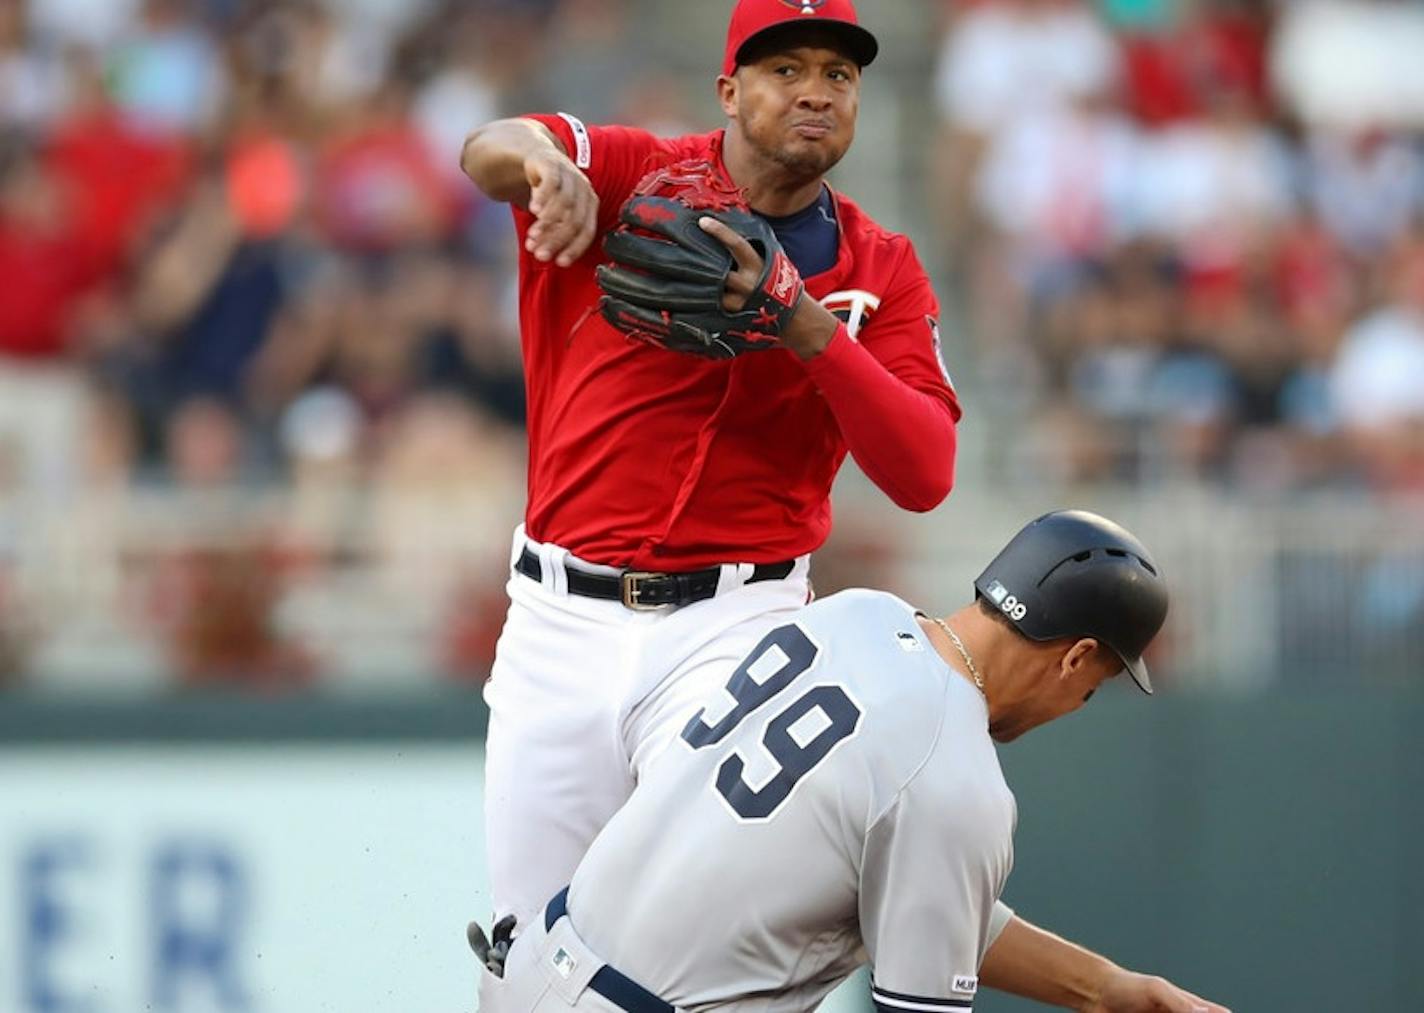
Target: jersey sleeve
934, 866
613, 158
998, 921
903, 334
891, 394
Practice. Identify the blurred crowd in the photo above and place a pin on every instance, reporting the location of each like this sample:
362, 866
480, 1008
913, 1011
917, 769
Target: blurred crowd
242, 227
1189, 235
260, 392
238, 261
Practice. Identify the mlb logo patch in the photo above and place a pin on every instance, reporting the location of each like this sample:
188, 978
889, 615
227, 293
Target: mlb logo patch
908, 642
967, 983
997, 593
563, 962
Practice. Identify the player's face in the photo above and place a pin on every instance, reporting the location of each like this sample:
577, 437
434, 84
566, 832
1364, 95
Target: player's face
1070, 678
796, 107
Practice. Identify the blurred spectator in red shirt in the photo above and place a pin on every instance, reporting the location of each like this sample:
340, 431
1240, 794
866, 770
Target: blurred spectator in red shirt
118, 177
377, 188
42, 258
71, 211
1180, 52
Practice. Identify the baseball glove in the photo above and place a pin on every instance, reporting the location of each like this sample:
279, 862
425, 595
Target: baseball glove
668, 277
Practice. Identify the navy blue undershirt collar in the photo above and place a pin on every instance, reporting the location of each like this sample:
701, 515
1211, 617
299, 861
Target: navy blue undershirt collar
810, 236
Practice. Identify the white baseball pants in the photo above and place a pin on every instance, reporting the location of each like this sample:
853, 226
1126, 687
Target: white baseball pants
583, 694
549, 970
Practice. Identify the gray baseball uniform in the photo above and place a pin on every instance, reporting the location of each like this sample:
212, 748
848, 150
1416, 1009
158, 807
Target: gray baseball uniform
840, 801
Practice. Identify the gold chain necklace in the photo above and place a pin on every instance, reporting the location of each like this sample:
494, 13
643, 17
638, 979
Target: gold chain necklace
963, 653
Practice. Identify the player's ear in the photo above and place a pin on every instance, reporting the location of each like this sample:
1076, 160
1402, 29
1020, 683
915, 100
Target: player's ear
1079, 654
728, 93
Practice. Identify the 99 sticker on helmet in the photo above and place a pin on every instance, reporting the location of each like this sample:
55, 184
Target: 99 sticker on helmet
1007, 603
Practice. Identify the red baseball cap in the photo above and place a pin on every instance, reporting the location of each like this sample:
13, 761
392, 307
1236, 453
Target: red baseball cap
751, 18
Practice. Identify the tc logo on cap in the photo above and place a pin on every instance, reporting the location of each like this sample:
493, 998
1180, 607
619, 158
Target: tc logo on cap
806, 6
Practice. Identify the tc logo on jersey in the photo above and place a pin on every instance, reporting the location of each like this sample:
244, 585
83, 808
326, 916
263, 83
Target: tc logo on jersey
853, 306
807, 6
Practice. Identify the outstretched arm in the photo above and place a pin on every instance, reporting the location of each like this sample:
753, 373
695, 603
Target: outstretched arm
1031, 962
521, 162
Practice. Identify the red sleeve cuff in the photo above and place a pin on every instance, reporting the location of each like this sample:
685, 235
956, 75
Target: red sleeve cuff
839, 351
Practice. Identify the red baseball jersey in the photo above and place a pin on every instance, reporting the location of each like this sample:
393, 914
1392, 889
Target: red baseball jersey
646, 458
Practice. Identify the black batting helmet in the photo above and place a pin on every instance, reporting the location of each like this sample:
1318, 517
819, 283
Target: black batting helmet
1072, 573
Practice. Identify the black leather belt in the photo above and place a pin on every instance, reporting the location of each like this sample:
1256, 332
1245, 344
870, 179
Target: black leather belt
619, 989
641, 590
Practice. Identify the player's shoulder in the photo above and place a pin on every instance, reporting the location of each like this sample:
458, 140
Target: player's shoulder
873, 637
683, 148
585, 142
885, 258
962, 768
860, 228
858, 604
913, 710
875, 644
880, 627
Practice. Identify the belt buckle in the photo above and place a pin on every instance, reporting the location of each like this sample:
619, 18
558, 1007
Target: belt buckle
631, 590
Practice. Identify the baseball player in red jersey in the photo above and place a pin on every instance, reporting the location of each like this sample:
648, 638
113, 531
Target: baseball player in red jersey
674, 500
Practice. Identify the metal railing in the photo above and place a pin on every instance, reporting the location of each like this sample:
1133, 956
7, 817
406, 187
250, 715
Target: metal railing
1323, 589
158, 587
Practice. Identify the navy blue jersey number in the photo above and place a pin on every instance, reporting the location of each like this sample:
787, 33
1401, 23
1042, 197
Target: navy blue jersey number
783, 654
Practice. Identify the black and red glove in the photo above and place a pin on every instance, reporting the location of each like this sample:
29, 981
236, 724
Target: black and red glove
668, 278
